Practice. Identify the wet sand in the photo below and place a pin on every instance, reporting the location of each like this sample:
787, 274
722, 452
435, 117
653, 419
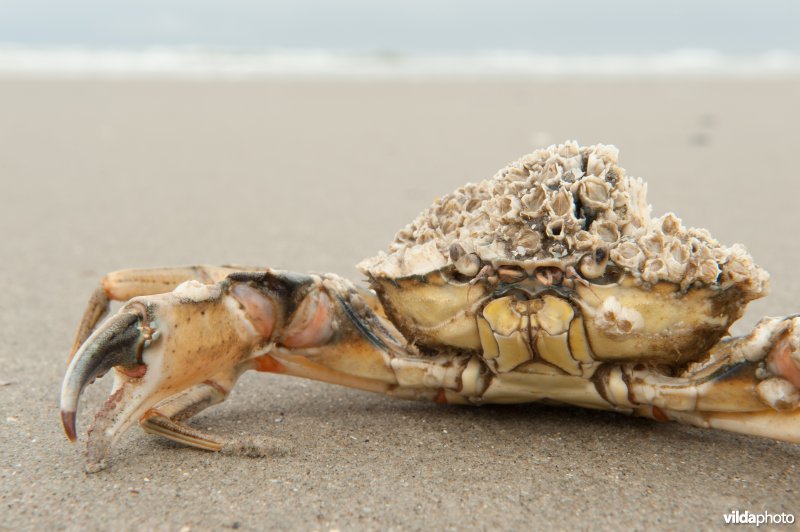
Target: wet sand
99, 176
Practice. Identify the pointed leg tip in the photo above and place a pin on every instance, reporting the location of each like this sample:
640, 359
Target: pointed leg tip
94, 467
178, 432
68, 422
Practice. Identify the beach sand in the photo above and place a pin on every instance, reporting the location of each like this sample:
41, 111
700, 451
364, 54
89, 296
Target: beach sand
98, 176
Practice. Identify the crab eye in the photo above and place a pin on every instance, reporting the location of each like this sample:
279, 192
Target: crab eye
600, 255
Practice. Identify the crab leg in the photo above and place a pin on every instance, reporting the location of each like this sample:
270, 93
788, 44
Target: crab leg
126, 284
749, 385
166, 418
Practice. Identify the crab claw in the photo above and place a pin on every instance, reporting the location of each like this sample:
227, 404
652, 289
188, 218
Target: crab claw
118, 342
158, 346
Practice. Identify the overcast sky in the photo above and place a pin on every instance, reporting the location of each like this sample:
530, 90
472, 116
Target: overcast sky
556, 26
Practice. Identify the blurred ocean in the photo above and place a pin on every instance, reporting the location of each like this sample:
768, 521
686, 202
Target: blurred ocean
191, 62
405, 39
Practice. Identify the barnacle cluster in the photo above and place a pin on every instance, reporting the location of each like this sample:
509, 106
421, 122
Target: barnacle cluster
558, 204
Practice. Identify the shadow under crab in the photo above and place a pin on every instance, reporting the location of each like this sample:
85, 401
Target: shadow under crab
550, 282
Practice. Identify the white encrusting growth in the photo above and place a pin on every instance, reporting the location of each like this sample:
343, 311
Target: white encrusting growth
614, 318
778, 393
562, 203
196, 291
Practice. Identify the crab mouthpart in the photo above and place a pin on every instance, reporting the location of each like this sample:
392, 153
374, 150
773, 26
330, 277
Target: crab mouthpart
118, 342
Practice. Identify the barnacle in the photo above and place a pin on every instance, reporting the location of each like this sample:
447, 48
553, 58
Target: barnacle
560, 203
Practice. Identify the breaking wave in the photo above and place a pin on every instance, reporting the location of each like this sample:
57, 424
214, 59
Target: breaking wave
202, 63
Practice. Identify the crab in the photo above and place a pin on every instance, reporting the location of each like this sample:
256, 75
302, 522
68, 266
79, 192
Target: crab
549, 282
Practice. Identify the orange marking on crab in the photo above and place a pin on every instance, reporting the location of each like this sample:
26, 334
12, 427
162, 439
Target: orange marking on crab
135, 372
268, 364
221, 389
659, 414
441, 397
107, 287
151, 413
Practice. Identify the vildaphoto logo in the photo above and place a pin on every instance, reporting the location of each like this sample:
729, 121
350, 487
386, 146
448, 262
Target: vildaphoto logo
763, 518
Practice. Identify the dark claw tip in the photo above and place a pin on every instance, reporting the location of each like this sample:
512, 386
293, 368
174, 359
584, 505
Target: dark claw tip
68, 422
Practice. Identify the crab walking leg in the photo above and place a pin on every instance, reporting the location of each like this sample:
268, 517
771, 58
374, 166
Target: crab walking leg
767, 424
126, 284
165, 419
749, 384
445, 380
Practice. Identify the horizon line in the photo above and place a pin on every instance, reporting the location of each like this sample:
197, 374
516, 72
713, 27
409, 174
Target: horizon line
205, 62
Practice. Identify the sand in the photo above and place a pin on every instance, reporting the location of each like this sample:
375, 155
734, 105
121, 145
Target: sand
99, 176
